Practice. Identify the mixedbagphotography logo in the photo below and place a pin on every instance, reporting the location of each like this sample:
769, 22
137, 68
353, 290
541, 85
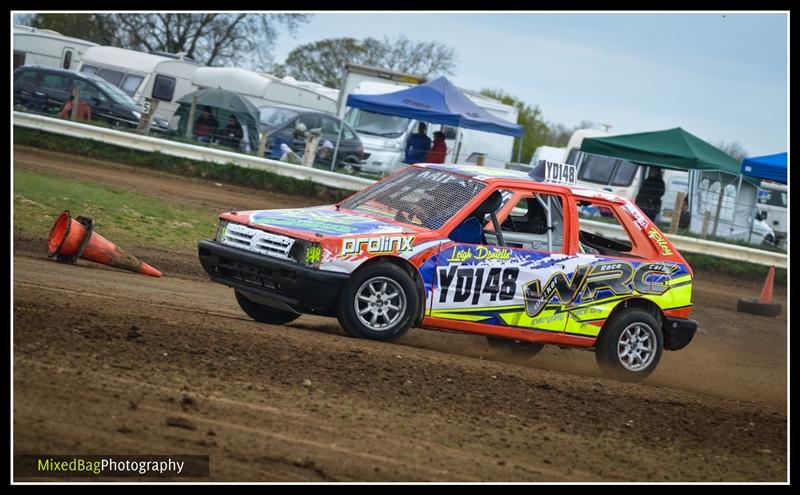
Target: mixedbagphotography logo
101, 466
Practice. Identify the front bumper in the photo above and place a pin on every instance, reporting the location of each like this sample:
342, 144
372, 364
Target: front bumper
275, 282
678, 333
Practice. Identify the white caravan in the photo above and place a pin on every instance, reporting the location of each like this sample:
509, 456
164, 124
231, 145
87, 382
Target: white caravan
47, 48
266, 89
143, 75
773, 203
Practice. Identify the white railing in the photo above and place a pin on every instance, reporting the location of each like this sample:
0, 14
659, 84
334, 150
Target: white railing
186, 150
340, 181
694, 245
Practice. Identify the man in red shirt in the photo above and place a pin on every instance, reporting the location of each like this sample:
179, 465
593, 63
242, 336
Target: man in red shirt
84, 111
438, 151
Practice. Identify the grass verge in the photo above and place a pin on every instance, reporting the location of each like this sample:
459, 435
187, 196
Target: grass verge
228, 173
735, 269
120, 216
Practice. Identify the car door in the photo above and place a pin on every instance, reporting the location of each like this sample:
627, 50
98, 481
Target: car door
504, 284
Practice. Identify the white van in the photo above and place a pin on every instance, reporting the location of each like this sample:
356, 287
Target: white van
384, 136
266, 89
47, 48
773, 202
143, 75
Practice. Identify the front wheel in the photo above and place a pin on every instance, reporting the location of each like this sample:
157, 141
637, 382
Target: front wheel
379, 303
630, 345
262, 313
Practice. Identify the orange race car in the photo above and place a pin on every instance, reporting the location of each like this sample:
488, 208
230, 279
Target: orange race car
469, 249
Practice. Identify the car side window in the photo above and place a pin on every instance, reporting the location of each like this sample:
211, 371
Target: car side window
348, 134
310, 121
535, 222
55, 83
88, 91
28, 80
330, 127
602, 232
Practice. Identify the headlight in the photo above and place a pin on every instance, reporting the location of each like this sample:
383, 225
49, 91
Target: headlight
305, 252
222, 226
138, 115
392, 145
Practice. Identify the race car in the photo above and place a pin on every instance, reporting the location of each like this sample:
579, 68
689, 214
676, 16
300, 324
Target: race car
467, 249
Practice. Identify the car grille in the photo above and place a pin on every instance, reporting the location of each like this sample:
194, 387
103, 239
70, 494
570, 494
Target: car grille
257, 241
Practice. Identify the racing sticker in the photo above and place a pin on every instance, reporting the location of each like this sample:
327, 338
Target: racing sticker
377, 245
587, 281
662, 243
323, 220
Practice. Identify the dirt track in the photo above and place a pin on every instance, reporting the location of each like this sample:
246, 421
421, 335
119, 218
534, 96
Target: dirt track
102, 358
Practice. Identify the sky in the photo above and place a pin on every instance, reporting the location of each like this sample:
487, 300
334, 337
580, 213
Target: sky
720, 76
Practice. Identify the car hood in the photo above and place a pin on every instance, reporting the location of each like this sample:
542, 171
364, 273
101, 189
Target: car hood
322, 221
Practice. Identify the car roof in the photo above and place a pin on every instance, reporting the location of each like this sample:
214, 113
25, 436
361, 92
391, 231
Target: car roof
489, 175
66, 72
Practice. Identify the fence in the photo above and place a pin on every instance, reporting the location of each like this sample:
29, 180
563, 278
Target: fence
333, 179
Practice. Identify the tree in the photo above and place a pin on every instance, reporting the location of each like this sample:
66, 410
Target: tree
530, 118
208, 38
323, 61
734, 149
559, 133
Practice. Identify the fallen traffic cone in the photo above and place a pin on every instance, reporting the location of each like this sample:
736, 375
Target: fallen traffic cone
71, 239
763, 305
766, 291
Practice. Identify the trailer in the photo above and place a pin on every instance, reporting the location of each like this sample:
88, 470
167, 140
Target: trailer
266, 89
143, 75
47, 48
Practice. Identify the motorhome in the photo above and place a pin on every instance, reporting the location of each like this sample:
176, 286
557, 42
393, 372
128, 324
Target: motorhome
143, 75
266, 89
385, 136
773, 203
48, 48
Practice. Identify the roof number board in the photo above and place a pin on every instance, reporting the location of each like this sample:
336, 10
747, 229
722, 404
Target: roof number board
561, 173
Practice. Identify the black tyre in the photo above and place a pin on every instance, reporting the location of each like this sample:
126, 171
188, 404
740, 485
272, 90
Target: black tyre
517, 347
630, 344
262, 313
752, 306
378, 303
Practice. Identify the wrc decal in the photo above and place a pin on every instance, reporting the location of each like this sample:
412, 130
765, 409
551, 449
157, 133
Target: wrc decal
587, 280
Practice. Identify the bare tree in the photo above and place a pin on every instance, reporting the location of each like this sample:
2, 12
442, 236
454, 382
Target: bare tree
209, 38
322, 61
734, 149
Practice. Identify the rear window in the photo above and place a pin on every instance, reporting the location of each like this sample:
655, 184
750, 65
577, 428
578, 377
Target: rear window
420, 197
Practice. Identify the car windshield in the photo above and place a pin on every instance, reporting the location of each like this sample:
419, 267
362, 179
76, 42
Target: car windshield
376, 124
417, 196
274, 117
114, 92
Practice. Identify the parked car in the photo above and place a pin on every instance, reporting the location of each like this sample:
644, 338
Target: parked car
468, 249
289, 125
46, 90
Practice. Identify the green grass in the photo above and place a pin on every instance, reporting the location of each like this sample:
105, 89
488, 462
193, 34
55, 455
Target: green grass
228, 173
120, 216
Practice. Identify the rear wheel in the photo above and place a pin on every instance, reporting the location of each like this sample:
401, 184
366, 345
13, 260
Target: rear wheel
262, 313
630, 345
379, 302
518, 347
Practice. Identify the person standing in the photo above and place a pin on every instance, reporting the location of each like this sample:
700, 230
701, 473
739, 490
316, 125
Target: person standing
418, 145
232, 135
438, 151
84, 112
649, 197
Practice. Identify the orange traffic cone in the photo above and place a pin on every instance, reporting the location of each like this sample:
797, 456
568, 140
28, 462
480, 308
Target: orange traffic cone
71, 239
766, 291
